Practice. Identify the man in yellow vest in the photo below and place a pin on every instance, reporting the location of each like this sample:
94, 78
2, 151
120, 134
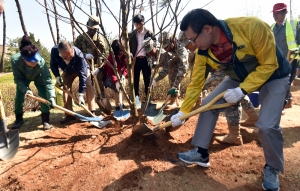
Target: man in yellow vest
285, 32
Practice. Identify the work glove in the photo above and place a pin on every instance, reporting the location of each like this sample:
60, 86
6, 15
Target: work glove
52, 103
29, 92
96, 72
173, 91
80, 99
59, 81
118, 87
123, 79
176, 121
234, 95
89, 56
154, 83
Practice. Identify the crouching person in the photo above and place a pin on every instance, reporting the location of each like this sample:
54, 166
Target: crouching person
73, 64
28, 66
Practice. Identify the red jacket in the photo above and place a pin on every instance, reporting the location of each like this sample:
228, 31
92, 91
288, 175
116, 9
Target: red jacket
121, 65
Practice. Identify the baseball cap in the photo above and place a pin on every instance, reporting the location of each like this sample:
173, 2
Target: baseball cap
183, 41
165, 39
279, 7
93, 22
148, 44
34, 58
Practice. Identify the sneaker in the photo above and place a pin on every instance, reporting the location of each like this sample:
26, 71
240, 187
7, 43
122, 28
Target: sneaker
47, 126
67, 119
194, 157
271, 181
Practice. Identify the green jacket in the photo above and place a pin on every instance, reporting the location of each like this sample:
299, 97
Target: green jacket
39, 74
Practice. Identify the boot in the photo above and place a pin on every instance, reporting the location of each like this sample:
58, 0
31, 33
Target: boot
18, 122
252, 118
288, 104
234, 137
45, 121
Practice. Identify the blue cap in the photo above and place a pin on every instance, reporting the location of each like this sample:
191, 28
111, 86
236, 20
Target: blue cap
34, 58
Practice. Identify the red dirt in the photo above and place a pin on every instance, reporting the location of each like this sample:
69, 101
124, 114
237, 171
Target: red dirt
81, 157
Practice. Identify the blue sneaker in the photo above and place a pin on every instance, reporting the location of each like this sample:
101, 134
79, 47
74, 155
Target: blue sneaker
271, 182
194, 157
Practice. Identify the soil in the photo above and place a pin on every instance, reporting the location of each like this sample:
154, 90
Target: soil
82, 157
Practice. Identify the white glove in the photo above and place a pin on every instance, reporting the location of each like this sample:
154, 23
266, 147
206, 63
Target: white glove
89, 56
29, 92
59, 81
80, 99
154, 83
234, 95
176, 121
118, 86
96, 72
122, 78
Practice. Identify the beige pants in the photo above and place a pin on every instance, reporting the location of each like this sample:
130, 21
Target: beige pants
90, 93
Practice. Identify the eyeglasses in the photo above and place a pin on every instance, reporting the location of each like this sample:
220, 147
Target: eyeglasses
195, 38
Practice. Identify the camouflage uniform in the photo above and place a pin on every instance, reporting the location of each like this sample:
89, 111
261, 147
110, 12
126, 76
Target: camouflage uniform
174, 64
83, 44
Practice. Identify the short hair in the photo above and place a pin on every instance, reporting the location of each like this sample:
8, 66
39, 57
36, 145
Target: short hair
27, 48
116, 46
138, 18
64, 45
196, 19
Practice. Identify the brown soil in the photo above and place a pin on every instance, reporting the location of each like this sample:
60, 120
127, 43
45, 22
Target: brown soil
81, 157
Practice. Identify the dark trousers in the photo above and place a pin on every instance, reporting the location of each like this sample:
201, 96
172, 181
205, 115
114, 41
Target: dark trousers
294, 66
141, 64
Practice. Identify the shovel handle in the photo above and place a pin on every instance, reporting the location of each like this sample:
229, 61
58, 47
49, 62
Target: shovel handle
65, 89
2, 112
206, 107
55, 106
95, 78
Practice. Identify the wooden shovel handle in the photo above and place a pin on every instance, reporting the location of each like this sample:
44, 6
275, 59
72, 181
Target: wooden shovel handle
2, 112
199, 110
65, 89
95, 78
55, 106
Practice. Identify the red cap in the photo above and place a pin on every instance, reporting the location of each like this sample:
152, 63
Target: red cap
279, 7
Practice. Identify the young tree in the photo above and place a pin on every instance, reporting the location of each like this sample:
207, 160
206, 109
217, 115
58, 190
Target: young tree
21, 17
4, 42
49, 23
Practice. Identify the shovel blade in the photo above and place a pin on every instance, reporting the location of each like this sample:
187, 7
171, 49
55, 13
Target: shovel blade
101, 124
141, 129
89, 119
151, 110
9, 142
102, 106
107, 104
121, 114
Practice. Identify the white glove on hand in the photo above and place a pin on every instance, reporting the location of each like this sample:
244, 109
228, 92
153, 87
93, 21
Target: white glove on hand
96, 72
123, 79
118, 86
154, 83
59, 82
89, 56
29, 92
176, 121
234, 95
80, 99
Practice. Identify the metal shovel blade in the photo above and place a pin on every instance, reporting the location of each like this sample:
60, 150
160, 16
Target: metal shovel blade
88, 119
151, 110
121, 114
159, 117
101, 124
9, 142
143, 129
102, 103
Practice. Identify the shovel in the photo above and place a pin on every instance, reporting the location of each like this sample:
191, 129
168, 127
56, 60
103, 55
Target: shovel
144, 130
103, 102
9, 139
121, 114
81, 117
99, 124
151, 110
161, 114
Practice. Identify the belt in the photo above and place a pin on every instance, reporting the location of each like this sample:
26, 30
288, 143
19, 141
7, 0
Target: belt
141, 56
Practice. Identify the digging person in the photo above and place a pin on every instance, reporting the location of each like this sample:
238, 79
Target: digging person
73, 64
28, 66
233, 113
174, 65
245, 49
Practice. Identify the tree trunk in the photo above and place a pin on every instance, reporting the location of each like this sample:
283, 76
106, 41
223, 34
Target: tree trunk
133, 13
4, 42
97, 8
56, 22
21, 17
50, 26
91, 7
133, 110
72, 22
152, 18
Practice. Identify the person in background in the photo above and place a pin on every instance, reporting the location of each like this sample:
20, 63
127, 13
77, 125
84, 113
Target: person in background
28, 66
245, 49
136, 38
2, 4
73, 64
110, 78
284, 34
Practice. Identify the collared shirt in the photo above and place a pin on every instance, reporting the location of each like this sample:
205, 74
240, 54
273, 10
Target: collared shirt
223, 52
280, 37
140, 38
